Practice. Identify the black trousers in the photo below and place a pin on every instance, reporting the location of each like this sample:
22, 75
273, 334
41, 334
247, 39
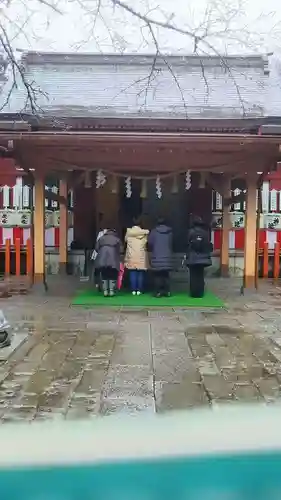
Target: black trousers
196, 281
108, 273
161, 281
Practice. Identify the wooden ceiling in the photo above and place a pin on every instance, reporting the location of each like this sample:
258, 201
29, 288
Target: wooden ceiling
128, 152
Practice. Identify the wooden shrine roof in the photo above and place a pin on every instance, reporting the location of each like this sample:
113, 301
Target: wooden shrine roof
127, 152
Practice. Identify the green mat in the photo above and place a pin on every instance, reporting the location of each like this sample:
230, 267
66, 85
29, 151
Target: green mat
93, 298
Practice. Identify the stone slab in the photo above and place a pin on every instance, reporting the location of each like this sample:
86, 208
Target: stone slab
17, 341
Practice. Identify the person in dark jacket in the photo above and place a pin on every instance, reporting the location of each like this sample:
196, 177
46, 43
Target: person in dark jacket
160, 243
108, 249
199, 249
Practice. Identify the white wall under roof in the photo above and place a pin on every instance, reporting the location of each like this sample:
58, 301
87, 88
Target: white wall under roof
118, 90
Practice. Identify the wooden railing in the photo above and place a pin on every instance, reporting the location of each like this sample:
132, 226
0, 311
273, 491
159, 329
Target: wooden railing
270, 265
23, 266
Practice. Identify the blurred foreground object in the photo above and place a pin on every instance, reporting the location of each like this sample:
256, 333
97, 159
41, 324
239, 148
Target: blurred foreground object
233, 453
5, 331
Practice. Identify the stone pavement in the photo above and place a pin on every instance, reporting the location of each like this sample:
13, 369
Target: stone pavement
68, 362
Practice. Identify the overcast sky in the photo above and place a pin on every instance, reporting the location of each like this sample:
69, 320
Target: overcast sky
252, 25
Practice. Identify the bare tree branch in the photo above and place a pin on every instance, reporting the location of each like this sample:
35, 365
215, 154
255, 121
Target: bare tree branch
216, 25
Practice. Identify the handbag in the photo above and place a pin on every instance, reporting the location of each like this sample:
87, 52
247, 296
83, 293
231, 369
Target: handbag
120, 276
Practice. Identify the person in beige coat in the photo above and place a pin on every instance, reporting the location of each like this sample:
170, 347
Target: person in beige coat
136, 258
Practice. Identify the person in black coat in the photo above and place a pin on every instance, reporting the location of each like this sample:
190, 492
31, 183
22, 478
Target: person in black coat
160, 243
198, 256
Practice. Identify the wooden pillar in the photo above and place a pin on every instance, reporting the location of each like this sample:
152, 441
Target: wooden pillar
224, 254
39, 233
250, 232
63, 228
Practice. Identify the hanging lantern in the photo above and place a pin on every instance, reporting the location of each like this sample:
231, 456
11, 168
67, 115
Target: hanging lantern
158, 187
114, 184
128, 187
143, 193
100, 179
187, 180
175, 186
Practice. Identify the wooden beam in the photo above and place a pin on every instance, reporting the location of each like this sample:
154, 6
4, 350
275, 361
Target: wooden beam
70, 137
250, 233
39, 234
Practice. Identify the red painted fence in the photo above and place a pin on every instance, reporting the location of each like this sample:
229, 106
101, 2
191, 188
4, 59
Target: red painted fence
21, 257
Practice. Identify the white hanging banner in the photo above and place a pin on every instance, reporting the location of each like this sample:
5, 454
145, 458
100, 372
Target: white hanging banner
187, 180
100, 179
6, 196
218, 202
265, 197
46, 199
25, 196
128, 187
17, 194
273, 200
54, 203
158, 187
237, 206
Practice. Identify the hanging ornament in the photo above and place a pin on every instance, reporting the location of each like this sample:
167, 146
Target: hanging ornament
114, 184
25, 196
187, 180
218, 201
143, 193
273, 200
128, 187
175, 186
100, 179
55, 190
158, 187
237, 206
265, 197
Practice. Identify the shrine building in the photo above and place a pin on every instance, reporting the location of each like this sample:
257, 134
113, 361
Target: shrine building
108, 140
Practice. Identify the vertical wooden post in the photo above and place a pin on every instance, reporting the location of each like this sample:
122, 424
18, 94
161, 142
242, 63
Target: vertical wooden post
258, 216
29, 257
224, 254
250, 232
17, 251
39, 234
63, 228
265, 261
7, 258
276, 261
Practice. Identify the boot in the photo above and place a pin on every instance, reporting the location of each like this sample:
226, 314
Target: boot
105, 287
111, 288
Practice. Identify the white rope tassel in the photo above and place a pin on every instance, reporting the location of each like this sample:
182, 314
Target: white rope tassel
128, 187
100, 179
158, 187
187, 180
